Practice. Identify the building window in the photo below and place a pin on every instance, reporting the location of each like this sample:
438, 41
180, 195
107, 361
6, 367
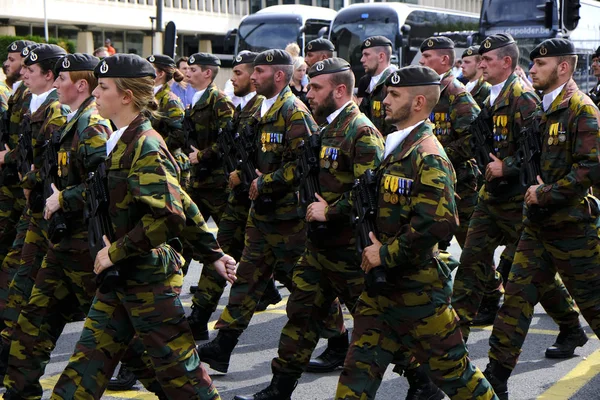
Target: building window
288, 2
269, 3
306, 2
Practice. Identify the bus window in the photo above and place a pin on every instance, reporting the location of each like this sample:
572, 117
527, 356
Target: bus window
268, 33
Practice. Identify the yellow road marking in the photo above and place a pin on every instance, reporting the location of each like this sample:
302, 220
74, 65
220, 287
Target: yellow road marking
577, 378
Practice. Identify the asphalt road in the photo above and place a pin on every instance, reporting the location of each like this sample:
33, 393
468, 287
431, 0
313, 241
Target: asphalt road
535, 377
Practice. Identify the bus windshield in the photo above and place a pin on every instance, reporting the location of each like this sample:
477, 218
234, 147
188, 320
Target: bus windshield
260, 34
517, 17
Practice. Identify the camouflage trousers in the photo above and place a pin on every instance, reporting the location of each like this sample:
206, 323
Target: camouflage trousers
574, 252
320, 276
155, 314
210, 201
11, 262
34, 250
271, 249
491, 225
230, 236
65, 284
412, 315
12, 205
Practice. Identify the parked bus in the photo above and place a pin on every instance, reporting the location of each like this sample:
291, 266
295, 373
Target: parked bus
406, 25
530, 22
276, 26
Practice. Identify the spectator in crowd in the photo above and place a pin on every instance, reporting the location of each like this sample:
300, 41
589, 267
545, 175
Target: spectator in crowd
108, 44
296, 83
101, 52
182, 89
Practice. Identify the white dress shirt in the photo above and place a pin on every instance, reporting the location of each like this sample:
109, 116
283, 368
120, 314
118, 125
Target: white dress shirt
244, 100
111, 143
394, 139
375, 80
550, 97
197, 96
337, 112
267, 104
71, 115
495, 92
38, 99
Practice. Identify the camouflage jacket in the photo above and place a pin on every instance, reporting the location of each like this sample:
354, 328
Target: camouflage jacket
595, 94
416, 197
569, 156
452, 116
50, 117
4, 95
170, 123
209, 114
350, 145
18, 104
280, 132
512, 111
82, 148
372, 104
481, 91
145, 204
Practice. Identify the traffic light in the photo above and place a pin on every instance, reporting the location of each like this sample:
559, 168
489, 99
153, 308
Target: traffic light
170, 42
571, 13
548, 12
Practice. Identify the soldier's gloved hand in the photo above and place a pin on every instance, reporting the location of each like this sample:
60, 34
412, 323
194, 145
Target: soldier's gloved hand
3, 154
370, 255
494, 168
194, 155
102, 260
531, 194
226, 267
253, 194
234, 179
52, 203
316, 211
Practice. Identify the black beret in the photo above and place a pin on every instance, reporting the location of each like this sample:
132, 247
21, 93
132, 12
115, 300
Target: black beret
44, 52
471, 51
18, 45
437, 43
244, 57
496, 41
204, 59
413, 75
124, 66
274, 57
597, 53
553, 48
320, 44
161, 59
328, 66
27, 49
76, 62
375, 41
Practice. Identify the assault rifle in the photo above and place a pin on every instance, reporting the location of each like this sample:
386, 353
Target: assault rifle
226, 142
364, 213
204, 167
57, 228
9, 172
482, 144
25, 146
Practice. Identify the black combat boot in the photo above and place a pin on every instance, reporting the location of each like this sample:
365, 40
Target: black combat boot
280, 388
332, 357
497, 376
198, 321
270, 296
421, 386
193, 289
504, 267
568, 339
217, 352
487, 310
124, 380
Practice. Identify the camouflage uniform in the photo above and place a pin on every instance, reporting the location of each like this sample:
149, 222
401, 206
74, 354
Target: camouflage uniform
48, 118
232, 225
566, 240
66, 279
170, 125
372, 104
498, 216
146, 210
413, 311
480, 91
12, 202
273, 241
330, 265
211, 113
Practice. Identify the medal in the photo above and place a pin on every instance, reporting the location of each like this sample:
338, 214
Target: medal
562, 137
263, 148
322, 163
334, 164
394, 198
550, 141
386, 197
402, 200
394, 184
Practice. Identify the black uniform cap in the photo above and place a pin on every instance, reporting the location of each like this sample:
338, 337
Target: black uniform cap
76, 62
44, 52
27, 49
471, 51
161, 59
124, 66
413, 75
375, 41
204, 59
18, 45
320, 44
274, 57
328, 66
494, 42
597, 53
553, 48
244, 57
437, 43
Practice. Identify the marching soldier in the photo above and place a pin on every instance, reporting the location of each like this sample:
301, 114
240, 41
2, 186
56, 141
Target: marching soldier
595, 92
498, 214
318, 50
560, 215
476, 86
376, 55
66, 280
419, 176
329, 267
146, 210
211, 110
